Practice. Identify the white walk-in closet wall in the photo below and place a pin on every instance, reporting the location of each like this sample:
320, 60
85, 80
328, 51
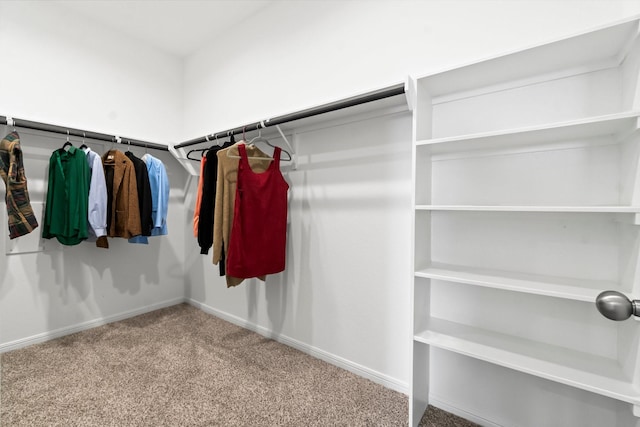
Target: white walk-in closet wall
345, 296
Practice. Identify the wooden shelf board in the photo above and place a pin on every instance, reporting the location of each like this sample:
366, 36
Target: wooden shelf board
557, 287
581, 370
576, 129
530, 208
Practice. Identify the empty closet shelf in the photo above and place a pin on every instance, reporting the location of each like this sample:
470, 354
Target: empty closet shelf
578, 369
530, 208
613, 126
558, 287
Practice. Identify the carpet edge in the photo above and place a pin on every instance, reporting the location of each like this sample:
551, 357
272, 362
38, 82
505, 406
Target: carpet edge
447, 407
362, 371
89, 324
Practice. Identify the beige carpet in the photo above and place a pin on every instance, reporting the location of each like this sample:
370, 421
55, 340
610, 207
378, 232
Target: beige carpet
182, 367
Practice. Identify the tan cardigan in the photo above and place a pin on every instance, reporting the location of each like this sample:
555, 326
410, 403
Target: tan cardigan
226, 197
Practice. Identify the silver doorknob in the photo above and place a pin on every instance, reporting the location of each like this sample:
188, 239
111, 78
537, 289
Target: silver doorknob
616, 306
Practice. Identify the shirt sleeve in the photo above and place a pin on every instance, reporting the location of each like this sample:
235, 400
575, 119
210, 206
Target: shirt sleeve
98, 198
49, 204
218, 210
196, 210
163, 204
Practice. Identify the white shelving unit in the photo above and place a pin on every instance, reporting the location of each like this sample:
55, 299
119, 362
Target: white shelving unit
526, 182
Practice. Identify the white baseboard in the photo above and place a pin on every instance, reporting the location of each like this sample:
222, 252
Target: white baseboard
50, 335
446, 406
338, 361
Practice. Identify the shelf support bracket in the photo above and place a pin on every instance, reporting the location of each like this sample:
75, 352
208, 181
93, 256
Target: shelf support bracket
636, 410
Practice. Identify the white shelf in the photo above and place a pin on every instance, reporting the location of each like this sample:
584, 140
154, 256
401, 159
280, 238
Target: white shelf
592, 373
558, 287
541, 132
591, 128
496, 208
595, 49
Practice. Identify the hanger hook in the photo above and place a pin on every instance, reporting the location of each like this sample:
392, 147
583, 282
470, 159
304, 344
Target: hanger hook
67, 135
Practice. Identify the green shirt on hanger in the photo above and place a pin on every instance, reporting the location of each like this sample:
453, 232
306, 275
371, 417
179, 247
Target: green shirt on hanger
67, 197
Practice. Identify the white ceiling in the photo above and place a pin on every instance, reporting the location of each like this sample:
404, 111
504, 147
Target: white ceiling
176, 26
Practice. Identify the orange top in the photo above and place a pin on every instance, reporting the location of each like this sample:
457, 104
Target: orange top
196, 211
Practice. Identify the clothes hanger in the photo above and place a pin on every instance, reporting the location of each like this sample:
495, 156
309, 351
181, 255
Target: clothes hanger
244, 141
234, 156
84, 145
260, 138
146, 153
218, 143
67, 143
197, 150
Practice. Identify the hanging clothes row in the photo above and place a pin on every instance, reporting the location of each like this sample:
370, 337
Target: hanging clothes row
241, 210
90, 197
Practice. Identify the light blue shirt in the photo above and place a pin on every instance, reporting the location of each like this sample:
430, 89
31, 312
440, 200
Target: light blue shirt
97, 211
159, 182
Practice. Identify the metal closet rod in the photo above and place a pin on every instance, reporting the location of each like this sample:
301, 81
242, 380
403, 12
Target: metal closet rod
82, 133
326, 108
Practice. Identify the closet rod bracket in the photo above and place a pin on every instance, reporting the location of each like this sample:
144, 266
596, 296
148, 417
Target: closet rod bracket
289, 146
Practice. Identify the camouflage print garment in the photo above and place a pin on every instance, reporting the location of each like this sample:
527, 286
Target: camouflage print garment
21, 218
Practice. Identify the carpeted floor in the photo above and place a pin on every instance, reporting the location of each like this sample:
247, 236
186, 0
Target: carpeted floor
182, 367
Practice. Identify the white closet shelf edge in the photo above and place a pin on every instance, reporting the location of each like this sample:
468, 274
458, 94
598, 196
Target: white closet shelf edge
604, 44
610, 124
556, 287
577, 369
530, 208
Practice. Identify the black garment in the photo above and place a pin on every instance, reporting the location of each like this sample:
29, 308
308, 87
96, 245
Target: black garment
108, 177
144, 193
208, 201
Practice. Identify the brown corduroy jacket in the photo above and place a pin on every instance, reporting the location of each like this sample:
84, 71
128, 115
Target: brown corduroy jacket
123, 215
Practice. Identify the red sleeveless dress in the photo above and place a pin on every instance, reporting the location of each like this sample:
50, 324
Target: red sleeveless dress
257, 245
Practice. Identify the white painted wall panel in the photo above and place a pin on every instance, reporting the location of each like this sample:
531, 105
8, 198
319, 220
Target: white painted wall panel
294, 55
347, 259
64, 69
63, 287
